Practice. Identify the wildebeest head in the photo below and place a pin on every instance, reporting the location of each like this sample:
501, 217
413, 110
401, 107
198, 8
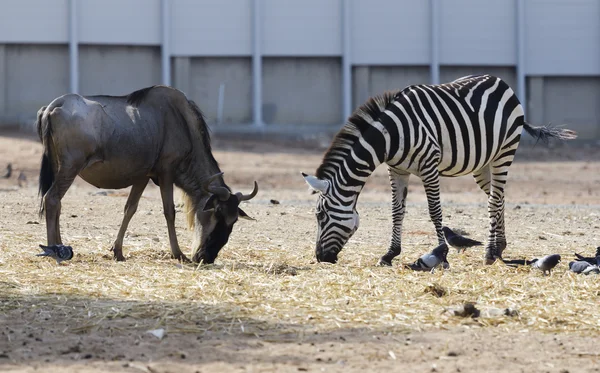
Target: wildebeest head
216, 218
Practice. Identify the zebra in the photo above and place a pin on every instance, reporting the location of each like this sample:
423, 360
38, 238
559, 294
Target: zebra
471, 125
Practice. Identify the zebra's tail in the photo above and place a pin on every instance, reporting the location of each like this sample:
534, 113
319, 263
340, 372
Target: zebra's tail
545, 133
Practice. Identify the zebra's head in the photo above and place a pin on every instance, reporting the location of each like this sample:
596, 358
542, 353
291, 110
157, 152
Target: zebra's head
336, 221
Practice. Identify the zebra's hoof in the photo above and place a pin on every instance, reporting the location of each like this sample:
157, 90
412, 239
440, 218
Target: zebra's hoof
489, 261
384, 263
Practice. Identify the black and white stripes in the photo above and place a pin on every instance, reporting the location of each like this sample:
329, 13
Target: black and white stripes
470, 125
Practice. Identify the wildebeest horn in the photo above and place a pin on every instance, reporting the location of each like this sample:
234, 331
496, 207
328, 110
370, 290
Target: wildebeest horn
220, 192
246, 197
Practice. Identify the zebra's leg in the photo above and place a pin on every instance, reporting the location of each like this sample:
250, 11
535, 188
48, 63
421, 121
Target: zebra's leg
497, 237
431, 182
399, 182
483, 179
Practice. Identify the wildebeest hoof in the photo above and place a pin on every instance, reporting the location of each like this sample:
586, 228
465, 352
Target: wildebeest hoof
182, 258
118, 255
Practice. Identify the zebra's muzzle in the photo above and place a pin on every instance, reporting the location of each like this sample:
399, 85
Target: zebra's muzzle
329, 256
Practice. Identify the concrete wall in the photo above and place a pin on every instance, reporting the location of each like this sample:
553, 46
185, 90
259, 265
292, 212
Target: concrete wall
372, 80
302, 91
33, 76
208, 73
573, 102
388, 44
117, 70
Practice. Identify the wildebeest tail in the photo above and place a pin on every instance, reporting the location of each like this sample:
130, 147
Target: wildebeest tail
44, 128
545, 133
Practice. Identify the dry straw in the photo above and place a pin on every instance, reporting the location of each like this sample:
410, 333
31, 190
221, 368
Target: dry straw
276, 293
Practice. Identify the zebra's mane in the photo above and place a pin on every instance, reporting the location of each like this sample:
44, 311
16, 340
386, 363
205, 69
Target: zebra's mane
357, 123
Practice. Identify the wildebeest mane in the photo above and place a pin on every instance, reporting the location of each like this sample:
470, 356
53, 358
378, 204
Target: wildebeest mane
190, 206
205, 133
357, 123
135, 98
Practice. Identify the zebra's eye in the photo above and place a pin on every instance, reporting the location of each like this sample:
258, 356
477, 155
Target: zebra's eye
320, 215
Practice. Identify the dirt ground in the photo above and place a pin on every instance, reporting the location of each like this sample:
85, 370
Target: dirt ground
92, 314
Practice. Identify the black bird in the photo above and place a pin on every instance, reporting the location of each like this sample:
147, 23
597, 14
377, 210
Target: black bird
457, 241
592, 260
545, 264
429, 261
579, 266
58, 252
8, 171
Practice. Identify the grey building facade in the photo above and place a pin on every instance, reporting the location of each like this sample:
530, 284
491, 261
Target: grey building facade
288, 64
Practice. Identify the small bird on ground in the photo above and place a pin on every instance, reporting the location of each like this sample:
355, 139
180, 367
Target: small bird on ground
59, 252
22, 179
592, 260
579, 266
429, 261
591, 270
8, 171
457, 241
545, 264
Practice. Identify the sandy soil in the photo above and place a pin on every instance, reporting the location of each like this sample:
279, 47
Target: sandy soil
553, 203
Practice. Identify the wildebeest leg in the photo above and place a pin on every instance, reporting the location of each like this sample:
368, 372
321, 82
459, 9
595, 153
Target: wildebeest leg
166, 192
58, 237
130, 208
52, 206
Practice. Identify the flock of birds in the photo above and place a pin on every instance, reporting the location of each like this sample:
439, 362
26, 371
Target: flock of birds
21, 179
438, 257
430, 261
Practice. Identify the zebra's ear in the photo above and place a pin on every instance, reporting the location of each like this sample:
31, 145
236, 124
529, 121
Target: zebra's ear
316, 184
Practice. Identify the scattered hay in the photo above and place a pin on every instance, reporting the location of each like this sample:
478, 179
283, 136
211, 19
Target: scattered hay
264, 285
280, 269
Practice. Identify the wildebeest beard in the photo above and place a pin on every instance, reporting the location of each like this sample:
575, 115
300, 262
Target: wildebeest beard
215, 241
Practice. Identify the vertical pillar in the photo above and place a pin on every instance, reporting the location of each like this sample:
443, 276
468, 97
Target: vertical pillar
3, 81
73, 48
535, 106
520, 68
181, 74
257, 64
346, 59
165, 47
434, 64
362, 89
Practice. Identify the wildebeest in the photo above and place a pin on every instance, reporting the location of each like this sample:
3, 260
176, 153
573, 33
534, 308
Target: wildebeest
115, 142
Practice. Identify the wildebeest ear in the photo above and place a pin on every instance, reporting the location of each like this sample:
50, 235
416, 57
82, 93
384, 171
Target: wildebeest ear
243, 215
210, 203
